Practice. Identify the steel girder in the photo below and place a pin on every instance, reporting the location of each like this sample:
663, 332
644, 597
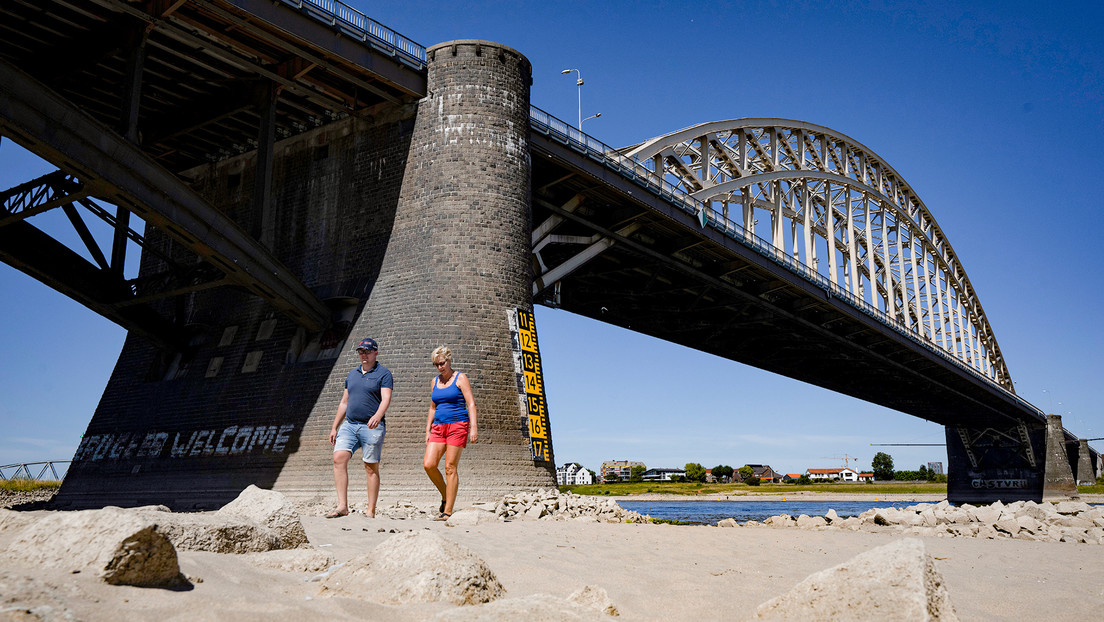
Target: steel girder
108, 167
835, 206
203, 63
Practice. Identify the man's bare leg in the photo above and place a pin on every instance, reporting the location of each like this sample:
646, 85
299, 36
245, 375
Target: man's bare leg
341, 482
372, 470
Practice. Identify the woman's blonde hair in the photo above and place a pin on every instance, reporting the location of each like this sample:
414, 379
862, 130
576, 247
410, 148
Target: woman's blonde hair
441, 351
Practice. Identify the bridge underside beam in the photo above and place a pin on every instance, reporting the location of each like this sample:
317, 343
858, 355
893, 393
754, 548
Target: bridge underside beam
31, 251
117, 171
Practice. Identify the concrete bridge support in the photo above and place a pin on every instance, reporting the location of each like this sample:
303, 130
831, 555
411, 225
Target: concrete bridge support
1085, 474
414, 226
1058, 484
987, 464
1009, 463
457, 260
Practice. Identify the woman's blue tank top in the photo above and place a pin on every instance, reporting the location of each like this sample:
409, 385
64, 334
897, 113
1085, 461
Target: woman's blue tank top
451, 407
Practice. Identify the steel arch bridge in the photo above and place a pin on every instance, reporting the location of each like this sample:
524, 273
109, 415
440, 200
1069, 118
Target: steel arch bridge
795, 249
840, 210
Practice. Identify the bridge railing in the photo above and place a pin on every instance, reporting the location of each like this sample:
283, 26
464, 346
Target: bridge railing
634, 170
357, 25
35, 470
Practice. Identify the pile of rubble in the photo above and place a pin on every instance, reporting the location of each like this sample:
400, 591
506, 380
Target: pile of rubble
1068, 521
543, 504
12, 498
551, 504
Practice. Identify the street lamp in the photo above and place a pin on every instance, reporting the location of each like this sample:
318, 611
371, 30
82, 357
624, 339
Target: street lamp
579, 83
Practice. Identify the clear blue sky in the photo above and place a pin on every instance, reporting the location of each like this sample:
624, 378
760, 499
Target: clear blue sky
992, 111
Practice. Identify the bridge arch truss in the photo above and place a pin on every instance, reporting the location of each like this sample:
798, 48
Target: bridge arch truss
839, 210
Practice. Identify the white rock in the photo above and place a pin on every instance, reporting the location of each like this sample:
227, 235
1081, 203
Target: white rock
269, 508
1072, 507
1027, 523
810, 522
895, 582
213, 533
987, 514
291, 560
416, 567
119, 546
595, 598
532, 608
469, 516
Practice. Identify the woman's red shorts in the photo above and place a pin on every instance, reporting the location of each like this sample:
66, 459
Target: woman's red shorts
455, 434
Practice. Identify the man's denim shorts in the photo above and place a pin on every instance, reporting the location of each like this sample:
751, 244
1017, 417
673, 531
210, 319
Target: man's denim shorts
352, 435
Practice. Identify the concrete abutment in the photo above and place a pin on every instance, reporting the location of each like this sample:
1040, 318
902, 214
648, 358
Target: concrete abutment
414, 227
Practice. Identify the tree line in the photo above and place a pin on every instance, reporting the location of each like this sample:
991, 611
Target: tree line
882, 467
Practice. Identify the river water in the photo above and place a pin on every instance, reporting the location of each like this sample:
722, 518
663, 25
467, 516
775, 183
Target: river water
709, 512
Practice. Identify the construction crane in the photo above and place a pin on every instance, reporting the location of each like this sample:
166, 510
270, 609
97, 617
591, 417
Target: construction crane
847, 459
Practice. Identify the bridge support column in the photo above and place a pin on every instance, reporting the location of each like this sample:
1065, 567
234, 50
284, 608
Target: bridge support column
1085, 474
1009, 463
457, 260
1000, 463
1058, 484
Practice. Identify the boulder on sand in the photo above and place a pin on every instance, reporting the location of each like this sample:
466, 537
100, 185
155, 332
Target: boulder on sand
121, 547
271, 509
416, 567
894, 582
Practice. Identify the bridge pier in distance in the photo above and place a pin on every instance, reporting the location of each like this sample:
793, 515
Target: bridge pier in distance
413, 224
1058, 484
1085, 474
1010, 462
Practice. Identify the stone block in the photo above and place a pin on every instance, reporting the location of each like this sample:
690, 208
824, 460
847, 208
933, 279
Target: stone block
895, 582
119, 546
416, 567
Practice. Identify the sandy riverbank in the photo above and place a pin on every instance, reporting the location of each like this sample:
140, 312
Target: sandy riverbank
650, 572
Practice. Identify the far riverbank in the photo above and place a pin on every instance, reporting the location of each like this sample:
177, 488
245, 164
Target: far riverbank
808, 495
797, 495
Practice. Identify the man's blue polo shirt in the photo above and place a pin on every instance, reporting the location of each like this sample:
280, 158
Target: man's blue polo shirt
365, 392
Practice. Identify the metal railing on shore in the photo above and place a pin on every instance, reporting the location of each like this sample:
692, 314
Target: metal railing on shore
35, 471
634, 170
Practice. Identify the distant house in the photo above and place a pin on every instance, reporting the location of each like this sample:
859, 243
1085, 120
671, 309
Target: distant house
620, 469
662, 475
866, 477
765, 474
791, 477
845, 474
573, 474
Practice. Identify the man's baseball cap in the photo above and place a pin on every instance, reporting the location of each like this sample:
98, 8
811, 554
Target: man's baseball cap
367, 344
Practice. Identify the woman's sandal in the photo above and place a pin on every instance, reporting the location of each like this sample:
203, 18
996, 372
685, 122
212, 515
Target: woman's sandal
443, 516
336, 514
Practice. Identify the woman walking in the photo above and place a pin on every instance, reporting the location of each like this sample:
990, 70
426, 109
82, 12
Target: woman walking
450, 426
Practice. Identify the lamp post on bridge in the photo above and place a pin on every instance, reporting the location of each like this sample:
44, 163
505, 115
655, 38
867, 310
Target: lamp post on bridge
579, 83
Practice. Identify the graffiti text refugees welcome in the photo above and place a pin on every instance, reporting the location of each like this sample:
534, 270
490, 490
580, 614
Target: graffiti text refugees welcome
230, 441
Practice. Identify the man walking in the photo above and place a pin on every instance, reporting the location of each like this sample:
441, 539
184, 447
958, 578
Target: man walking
360, 423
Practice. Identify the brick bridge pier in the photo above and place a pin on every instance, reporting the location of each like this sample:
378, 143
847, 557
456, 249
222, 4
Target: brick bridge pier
414, 226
